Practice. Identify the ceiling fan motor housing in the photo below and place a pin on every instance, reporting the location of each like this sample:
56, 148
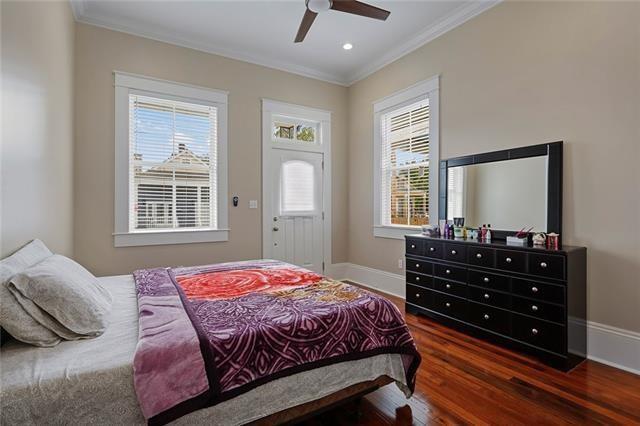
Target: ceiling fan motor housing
319, 5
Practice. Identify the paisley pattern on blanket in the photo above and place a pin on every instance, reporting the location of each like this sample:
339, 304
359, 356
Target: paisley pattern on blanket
261, 320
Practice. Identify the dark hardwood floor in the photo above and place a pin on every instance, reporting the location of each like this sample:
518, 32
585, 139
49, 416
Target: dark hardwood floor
463, 380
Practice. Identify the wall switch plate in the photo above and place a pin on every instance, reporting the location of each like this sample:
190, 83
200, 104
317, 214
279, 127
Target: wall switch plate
253, 204
399, 263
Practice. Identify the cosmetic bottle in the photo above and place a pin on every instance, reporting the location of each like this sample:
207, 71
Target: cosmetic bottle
488, 234
483, 232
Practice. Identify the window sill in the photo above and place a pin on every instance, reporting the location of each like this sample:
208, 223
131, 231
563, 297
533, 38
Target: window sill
394, 232
154, 238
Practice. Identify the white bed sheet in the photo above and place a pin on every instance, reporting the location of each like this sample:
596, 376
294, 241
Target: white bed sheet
91, 381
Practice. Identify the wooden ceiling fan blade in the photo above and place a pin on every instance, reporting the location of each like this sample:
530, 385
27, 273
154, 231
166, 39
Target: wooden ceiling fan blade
307, 20
359, 8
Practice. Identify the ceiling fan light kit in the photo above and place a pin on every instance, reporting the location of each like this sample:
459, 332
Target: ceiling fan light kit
318, 6
353, 7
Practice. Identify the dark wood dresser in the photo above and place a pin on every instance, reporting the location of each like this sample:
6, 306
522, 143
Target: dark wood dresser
527, 298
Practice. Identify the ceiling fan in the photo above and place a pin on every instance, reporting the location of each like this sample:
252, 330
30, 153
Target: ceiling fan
348, 6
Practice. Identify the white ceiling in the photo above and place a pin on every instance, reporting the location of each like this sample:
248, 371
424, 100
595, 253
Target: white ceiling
262, 31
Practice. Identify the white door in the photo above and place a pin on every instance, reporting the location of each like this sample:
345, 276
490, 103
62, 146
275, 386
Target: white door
297, 208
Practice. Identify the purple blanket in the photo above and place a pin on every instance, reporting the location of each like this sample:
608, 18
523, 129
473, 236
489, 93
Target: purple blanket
210, 333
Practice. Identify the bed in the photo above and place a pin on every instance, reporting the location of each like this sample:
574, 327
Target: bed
91, 381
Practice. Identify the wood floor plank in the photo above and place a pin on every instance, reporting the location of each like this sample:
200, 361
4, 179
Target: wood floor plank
463, 380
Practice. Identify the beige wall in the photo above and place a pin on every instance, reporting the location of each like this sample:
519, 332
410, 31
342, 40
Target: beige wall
98, 53
37, 125
522, 74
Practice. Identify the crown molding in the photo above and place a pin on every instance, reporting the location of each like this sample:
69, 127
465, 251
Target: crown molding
447, 23
79, 8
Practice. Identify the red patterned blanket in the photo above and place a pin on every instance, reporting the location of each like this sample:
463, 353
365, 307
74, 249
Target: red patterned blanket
210, 333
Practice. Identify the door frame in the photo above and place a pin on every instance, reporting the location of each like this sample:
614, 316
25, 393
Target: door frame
323, 117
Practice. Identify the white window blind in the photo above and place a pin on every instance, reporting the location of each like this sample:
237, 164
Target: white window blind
298, 187
455, 192
404, 165
172, 164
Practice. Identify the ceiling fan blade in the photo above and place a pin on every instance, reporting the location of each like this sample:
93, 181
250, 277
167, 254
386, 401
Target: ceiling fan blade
359, 8
307, 20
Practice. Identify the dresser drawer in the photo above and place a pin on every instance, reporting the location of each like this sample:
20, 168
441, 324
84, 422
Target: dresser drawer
451, 287
434, 249
538, 309
450, 305
481, 256
541, 291
493, 319
420, 266
420, 280
490, 297
484, 279
538, 333
414, 246
419, 296
546, 265
511, 260
450, 272
455, 252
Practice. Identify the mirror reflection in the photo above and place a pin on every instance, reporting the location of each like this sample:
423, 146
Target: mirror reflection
509, 195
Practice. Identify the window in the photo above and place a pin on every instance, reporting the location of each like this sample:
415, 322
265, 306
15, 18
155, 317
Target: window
456, 191
406, 160
171, 163
293, 130
298, 187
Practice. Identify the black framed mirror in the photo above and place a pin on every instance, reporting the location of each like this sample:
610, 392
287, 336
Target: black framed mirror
509, 189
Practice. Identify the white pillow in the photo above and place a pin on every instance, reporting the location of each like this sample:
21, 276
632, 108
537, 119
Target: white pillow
13, 318
59, 291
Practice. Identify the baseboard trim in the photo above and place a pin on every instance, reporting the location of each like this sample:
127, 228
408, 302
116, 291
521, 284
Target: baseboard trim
383, 281
613, 346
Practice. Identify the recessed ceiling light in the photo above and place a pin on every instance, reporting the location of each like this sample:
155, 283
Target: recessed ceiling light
347, 46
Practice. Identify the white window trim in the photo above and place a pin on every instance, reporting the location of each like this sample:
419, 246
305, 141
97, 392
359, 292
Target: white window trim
428, 88
126, 83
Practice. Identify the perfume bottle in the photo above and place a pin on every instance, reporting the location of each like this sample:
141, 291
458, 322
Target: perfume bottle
488, 234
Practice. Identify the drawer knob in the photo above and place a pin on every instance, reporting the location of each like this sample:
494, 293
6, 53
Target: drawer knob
413, 246
508, 259
448, 305
417, 295
534, 289
486, 295
448, 286
417, 265
417, 278
432, 249
454, 252
486, 316
479, 255
534, 331
485, 279
543, 264
534, 308
448, 271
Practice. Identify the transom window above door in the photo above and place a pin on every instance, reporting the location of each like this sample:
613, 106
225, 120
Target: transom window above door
291, 130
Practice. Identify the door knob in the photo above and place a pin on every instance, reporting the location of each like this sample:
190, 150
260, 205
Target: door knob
275, 228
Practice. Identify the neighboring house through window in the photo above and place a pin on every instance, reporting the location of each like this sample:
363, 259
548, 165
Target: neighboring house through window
170, 162
406, 160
